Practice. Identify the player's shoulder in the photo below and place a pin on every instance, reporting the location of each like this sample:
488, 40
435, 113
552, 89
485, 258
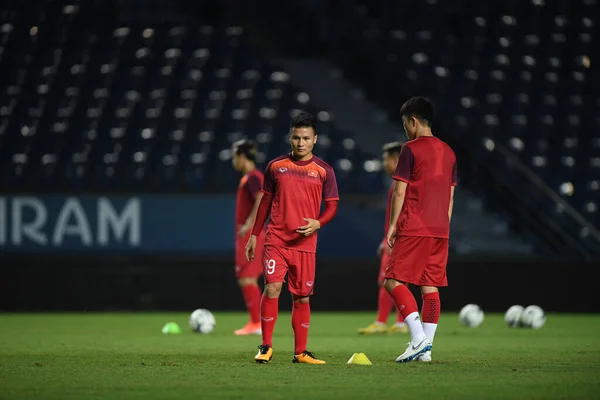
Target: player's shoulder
257, 173
277, 160
446, 148
321, 163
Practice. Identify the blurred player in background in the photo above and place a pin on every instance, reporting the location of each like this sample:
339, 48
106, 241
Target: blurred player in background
247, 201
420, 225
385, 303
294, 187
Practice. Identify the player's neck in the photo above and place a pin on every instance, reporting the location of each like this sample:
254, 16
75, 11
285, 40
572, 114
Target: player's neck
425, 132
249, 167
307, 157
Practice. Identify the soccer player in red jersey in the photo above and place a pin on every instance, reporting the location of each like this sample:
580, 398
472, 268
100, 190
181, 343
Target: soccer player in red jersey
420, 225
247, 201
385, 303
294, 187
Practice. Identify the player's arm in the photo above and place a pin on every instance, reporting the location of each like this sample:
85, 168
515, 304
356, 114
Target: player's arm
332, 197
263, 211
451, 204
402, 176
252, 216
397, 203
453, 185
254, 187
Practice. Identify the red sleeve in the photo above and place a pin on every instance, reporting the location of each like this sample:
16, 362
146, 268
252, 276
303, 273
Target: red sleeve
330, 189
329, 212
404, 168
264, 209
254, 184
454, 174
269, 182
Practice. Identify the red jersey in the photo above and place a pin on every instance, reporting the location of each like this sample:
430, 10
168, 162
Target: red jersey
249, 187
388, 212
428, 166
298, 187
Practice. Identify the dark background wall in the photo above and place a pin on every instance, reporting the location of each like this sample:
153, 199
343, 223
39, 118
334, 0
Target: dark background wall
87, 283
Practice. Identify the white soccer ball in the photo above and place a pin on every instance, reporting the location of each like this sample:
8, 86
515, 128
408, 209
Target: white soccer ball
202, 321
513, 316
471, 315
533, 317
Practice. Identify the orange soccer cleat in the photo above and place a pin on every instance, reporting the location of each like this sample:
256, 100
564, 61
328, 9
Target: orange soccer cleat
251, 328
306, 357
265, 353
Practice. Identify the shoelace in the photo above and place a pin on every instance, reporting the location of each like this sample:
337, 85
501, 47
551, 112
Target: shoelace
263, 349
309, 354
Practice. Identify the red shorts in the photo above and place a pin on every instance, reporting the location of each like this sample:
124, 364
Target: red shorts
298, 265
419, 260
243, 267
383, 263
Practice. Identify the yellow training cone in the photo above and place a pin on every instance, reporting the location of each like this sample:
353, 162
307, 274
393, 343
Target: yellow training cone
359, 359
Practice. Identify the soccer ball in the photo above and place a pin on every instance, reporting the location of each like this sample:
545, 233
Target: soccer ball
202, 321
471, 315
533, 317
513, 316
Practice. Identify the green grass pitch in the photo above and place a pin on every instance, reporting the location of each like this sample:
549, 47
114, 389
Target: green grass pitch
125, 356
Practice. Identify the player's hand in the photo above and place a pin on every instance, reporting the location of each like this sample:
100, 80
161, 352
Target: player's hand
312, 225
243, 229
391, 236
380, 249
250, 247
383, 247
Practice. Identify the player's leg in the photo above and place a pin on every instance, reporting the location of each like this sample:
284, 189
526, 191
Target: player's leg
384, 303
435, 276
274, 270
301, 280
407, 264
400, 326
252, 294
247, 274
430, 315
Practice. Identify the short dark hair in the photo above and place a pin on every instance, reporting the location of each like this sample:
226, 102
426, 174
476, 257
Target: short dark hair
392, 148
419, 107
303, 120
246, 147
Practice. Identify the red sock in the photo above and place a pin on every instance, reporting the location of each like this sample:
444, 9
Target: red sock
399, 317
385, 303
430, 313
251, 295
405, 301
300, 323
269, 308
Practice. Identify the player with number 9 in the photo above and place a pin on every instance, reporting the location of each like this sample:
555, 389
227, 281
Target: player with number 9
294, 186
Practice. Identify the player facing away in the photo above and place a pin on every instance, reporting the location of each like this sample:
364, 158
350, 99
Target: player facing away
294, 187
420, 225
247, 201
385, 303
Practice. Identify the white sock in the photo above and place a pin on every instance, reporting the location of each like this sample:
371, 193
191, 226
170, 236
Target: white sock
429, 330
379, 323
400, 324
414, 326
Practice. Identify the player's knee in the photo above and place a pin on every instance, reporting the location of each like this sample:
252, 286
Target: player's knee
273, 289
300, 299
390, 284
428, 289
247, 282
